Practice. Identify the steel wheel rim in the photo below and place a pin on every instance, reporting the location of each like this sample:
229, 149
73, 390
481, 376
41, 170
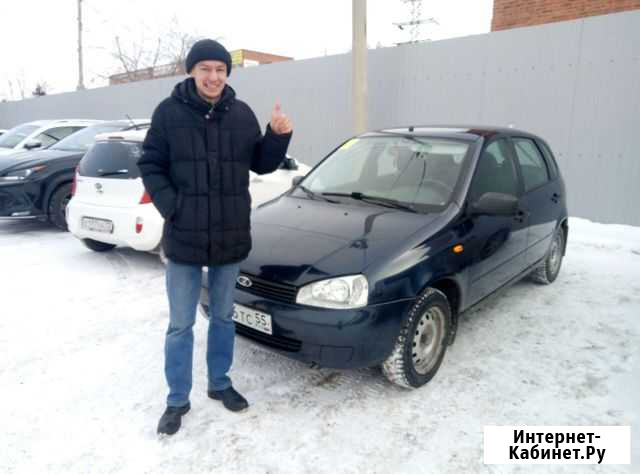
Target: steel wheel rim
555, 255
428, 339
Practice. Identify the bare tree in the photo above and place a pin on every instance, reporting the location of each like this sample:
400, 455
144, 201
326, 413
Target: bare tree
20, 84
169, 51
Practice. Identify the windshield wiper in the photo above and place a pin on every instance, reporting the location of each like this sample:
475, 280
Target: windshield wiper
374, 200
313, 195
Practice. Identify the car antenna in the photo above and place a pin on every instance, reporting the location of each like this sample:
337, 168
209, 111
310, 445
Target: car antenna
133, 124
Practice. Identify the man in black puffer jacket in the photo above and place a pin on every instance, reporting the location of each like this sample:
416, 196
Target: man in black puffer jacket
195, 165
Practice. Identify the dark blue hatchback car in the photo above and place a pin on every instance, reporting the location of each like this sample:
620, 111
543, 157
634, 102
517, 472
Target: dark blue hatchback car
370, 258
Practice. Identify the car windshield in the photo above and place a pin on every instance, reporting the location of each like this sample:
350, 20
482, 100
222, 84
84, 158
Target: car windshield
414, 173
14, 136
83, 139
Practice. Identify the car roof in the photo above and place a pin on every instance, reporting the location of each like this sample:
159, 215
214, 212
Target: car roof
464, 132
127, 122
49, 123
124, 135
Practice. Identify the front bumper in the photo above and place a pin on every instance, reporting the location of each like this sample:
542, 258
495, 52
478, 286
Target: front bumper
341, 339
18, 201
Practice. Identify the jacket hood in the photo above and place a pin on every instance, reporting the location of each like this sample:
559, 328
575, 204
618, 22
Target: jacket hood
186, 92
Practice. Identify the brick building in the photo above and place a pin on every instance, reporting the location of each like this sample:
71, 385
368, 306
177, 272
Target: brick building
515, 13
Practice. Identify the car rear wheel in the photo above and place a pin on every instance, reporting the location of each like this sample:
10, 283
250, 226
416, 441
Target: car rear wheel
422, 342
98, 246
548, 270
57, 205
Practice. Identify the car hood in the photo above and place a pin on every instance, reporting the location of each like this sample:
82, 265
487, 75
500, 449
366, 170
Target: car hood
297, 240
25, 159
10, 151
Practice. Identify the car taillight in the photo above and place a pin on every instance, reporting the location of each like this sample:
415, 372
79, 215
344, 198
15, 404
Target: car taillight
146, 199
73, 185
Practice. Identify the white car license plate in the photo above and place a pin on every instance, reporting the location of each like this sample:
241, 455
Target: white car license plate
254, 319
97, 225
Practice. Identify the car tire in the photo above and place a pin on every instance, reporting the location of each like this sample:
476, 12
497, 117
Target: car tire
548, 270
57, 205
97, 246
422, 342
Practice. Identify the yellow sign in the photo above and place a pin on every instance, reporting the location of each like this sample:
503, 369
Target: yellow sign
236, 57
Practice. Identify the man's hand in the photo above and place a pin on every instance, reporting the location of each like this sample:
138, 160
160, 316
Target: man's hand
280, 123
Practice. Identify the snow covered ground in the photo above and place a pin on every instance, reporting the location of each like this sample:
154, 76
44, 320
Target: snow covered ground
82, 385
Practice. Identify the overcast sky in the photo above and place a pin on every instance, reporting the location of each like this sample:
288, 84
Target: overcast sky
38, 38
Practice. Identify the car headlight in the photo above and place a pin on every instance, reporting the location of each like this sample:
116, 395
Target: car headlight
337, 293
20, 175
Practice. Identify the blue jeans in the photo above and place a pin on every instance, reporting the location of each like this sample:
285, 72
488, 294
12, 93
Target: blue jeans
184, 283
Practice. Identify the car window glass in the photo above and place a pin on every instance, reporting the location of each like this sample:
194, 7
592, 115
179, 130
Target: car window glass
45, 139
417, 171
58, 133
114, 159
339, 173
553, 166
83, 139
532, 164
14, 136
495, 172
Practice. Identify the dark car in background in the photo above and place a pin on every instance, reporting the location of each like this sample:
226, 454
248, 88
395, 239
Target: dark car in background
370, 258
37, 184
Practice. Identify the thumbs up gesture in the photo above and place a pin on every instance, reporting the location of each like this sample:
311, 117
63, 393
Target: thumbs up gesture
280, 123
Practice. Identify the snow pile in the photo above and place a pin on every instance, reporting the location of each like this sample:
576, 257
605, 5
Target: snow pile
81, 367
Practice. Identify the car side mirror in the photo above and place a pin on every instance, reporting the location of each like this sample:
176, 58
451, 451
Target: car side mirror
495, 204
289, 164
31, 144
296, 180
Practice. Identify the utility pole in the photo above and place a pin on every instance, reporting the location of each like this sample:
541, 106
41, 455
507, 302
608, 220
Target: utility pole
359, 53
80, 76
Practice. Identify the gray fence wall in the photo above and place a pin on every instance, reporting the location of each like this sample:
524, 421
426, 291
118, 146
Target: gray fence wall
575, 83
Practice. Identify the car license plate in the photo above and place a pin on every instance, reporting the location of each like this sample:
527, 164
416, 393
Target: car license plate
97, 225
254, 319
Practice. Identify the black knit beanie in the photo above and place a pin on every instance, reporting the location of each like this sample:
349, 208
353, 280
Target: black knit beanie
207, 49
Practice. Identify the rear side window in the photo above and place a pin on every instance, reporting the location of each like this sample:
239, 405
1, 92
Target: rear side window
495, 172
53, 135
551, 161
118, 160
533, 166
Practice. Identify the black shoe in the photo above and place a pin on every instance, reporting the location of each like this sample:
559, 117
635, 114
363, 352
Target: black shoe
171, 418
231, 399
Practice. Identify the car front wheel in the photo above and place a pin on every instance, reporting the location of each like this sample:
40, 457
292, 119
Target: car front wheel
57, 205
422, 342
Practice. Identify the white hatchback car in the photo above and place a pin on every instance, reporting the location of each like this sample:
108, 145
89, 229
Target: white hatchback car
39, 134
110, 206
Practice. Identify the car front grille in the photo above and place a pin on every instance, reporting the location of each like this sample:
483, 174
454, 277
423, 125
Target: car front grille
268, 289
